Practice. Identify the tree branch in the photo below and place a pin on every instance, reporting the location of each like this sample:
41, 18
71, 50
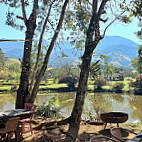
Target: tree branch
112, 23
45, 63
23, 11
39, 45
101, 8
19, 17
93, 20
95, 6
104, 20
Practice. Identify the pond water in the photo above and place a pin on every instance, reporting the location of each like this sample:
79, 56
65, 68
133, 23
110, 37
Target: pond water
94, 104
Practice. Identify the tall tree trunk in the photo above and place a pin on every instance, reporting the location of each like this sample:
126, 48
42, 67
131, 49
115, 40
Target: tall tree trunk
23, 90
90, 45
80, 95
39, 48
46, 60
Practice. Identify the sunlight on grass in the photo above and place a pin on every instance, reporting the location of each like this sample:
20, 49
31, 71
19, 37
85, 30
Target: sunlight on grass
7, 88
90, 87
55, 85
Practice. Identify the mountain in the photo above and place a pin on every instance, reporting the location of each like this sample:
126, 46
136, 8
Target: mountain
12, 49
121, 51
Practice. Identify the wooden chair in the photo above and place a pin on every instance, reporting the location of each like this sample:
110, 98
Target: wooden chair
31, 107
11, 126
101, 139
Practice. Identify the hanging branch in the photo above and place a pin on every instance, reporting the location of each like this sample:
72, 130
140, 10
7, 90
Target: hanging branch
111, 23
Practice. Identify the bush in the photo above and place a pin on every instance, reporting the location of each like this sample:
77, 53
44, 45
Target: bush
4, 74
100, 82
137, 85
138, 82
47, 111
117, 87
71, 81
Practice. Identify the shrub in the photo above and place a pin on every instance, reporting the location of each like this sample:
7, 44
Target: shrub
47, 111
51, 108
138, 81
137, 85
117, 87
71, 81
4, 74
100, 82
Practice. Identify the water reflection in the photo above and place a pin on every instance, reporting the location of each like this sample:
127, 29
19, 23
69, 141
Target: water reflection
99, 104
95, 103
7, 101
136, 104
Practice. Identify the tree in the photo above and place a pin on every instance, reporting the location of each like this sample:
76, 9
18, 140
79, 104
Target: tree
32, 97
139, 67
1, 60
93, 37
37, 21
30, 24
107, 68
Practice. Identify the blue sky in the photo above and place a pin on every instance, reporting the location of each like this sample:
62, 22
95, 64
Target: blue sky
116, 29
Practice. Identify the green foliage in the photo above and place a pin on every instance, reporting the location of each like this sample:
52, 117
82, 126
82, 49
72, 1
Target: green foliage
94, 69
4, 74
14, 87
137, 10
133, 7
83, 18
1, 60
47, 111
137, 61
106, 67
100, 82
14, 67
71, 81
138, 82
125, 19
66, 70
51, 109
134, 63
117, 87
140, 59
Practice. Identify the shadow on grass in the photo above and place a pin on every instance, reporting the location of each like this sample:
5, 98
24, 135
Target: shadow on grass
61, 89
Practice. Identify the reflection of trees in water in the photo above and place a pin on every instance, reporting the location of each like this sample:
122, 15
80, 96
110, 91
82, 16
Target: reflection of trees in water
95, 103
6, 98
117, 97
99, 103
67, 96
65, 101
136, 104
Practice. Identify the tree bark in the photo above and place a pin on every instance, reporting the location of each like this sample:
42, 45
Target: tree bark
80, 95
90, 45
23, 90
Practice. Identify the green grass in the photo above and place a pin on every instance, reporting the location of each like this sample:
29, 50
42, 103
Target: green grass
5, 88
50, 83
90, 87
54, 85
110, 84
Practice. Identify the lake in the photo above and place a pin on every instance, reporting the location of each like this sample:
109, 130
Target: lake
94, 104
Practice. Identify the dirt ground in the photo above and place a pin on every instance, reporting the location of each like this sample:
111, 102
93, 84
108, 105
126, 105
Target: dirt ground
56, 133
